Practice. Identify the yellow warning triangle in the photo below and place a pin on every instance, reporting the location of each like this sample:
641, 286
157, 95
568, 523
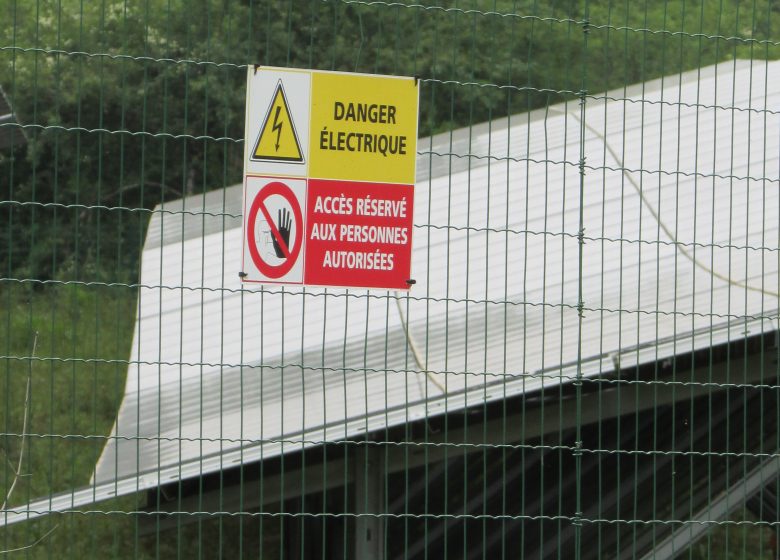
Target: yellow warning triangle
278, 140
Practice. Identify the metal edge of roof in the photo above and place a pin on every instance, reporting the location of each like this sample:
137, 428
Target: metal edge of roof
170, 220
617, 94
189, 204
350, 428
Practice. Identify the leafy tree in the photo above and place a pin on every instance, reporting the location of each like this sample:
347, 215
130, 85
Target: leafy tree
128, 103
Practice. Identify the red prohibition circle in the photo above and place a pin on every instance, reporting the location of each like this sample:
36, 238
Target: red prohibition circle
269, 270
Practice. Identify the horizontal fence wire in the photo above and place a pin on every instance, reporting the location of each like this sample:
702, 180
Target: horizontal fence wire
585, 365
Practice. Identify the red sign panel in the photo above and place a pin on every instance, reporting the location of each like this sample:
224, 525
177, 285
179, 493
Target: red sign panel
358, 234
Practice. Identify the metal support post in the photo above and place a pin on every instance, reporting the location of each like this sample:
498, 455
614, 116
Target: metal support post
369, 476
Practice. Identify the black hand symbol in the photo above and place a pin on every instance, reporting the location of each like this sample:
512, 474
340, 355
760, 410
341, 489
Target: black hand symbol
283, 224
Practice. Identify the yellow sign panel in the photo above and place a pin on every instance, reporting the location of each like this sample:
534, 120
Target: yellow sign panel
277, 140
363, 128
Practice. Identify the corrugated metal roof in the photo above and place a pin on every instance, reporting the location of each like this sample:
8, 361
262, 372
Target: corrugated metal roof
679, 201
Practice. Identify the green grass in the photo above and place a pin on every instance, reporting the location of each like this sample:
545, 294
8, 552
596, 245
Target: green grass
735, 539
82, 337
70, 342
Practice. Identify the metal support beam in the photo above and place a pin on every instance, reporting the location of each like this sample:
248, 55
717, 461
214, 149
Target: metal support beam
314, 479
730, 500
369, 476
613, 400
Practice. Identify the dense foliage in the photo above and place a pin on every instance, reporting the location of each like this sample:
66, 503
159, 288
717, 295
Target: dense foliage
128, 103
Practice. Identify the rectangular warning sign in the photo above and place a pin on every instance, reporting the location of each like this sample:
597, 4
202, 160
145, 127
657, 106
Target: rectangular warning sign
329, 170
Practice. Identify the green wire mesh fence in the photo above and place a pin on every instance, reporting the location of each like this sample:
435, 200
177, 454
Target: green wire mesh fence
585, 367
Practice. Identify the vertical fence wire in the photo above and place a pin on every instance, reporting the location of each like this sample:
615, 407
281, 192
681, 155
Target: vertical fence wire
586, 366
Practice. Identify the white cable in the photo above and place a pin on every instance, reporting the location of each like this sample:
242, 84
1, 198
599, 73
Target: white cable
663, 226
417, 358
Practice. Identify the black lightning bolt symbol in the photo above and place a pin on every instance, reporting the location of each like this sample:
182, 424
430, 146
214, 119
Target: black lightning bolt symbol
277, 127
